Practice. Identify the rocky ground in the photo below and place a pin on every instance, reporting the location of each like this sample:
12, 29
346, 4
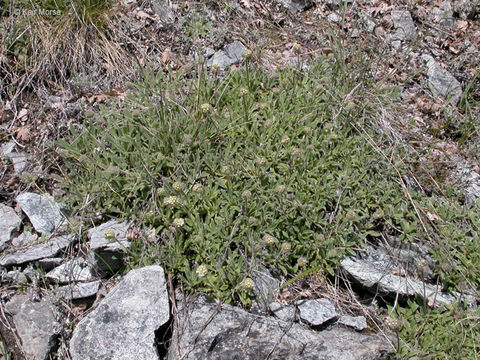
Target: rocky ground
58, 299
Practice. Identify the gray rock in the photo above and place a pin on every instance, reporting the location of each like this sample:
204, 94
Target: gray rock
19, 161
367, 22
79, 291
49, 263
73, 109
442, 82
15, 276
75, 270
122, 326
206, 330
53, 99
284, 312
119, 242
468, 178
356, 322
335, 4
377, 278
25, 239
44, 213
49, 248
335, 18
32, 274
231, 54
35, 324
106, 252
396, 44
316, 311
405, 28
163, 10
444, 17
208, 52
466, 9
7, 148
297, 5
9, 221
266, 288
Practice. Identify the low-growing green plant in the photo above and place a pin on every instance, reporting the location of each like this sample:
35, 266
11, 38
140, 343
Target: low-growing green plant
283, 169
448, 333
195, 26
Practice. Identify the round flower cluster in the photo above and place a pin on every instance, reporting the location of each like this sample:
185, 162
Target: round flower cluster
332, 137
261, 161
225, 169
296, 152
320, 238
392, 323
286, 247
247, 54
285, 139
268, 239
247, 284
280, 189
171, 200
350, 215
187, 139
201, 271
197, 188
161, 191
252, 220
177, 186
268, 123
301, 261
243, 92
205, 108
178, 222
109, 235
246, 194
296, 48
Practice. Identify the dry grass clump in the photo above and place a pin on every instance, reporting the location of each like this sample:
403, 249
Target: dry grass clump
53, 41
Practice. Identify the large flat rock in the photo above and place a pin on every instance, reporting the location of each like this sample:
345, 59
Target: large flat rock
316, 311
108, 242
109, 236
79, 290
49, 248
122, 326
405, 28
231, 54
42, 211
72, 271
443, 83
207, 330
379, 276
35, 325
9, 221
